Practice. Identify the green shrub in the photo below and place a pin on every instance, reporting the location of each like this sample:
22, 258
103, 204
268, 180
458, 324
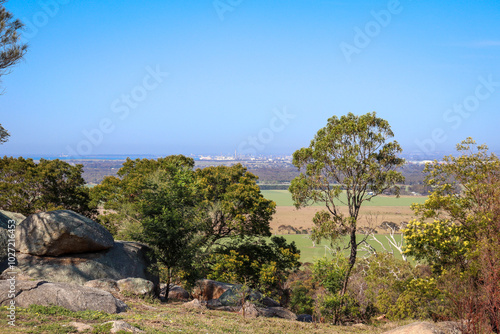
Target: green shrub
301, 301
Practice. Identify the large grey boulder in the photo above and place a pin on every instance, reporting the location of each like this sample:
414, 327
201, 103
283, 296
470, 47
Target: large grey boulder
61, 232
125, 259
70, 296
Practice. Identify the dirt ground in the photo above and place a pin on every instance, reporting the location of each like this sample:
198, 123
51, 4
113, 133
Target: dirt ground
371, 216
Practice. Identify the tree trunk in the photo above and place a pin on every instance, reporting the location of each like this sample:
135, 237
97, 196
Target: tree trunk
167, 288
352, 260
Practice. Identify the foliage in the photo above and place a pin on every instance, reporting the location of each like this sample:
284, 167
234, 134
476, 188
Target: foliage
261, 265
460, 207
301, 302
333, 304
168, 218
4, 135
27, 188
11, 50
120, 195
233, 203
228, 199
350, 153
337, 308
384, 280
183, 213
462, 241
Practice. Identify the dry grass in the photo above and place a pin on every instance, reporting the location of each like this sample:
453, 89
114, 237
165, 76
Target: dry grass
370, 216
175, 318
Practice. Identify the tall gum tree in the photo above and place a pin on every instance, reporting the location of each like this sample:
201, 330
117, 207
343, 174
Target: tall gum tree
350, 154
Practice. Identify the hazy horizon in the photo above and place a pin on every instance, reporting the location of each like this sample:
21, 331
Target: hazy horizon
253, 77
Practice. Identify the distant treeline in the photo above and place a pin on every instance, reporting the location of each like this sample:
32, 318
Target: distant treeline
272, 177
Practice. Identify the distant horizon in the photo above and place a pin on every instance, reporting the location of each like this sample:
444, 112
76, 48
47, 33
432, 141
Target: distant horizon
118, 156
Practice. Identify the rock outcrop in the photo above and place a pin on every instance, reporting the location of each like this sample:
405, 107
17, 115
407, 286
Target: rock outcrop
70, 296
125, 259
61, 232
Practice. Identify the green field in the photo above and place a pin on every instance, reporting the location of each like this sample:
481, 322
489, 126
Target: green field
308, 253
284, 198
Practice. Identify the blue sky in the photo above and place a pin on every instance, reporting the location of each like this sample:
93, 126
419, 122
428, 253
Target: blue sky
204, 77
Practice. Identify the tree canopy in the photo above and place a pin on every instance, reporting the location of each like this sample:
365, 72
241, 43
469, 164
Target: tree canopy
27, 187
4, 135
233, 203
180, 212
349, 154
11, 50
457, 232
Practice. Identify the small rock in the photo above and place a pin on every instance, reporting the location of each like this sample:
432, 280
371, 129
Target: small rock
305, 318
194, 304
249, 310
176, 293
213, 303
278, 312
121, 325
136, 286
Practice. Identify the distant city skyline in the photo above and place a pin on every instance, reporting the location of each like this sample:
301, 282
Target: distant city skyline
251, 77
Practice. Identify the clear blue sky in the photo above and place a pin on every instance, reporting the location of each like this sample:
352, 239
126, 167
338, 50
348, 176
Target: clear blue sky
432, 69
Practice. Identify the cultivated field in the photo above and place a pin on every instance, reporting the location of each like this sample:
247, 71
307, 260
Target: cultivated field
310, 253
372, 214
284, 198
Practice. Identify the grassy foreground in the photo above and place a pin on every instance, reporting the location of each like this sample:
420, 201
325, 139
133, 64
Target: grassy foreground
284, 198
169, 318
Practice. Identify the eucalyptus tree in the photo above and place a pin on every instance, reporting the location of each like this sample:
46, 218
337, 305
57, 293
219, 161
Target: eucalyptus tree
348, 162
4, 135
11, 48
